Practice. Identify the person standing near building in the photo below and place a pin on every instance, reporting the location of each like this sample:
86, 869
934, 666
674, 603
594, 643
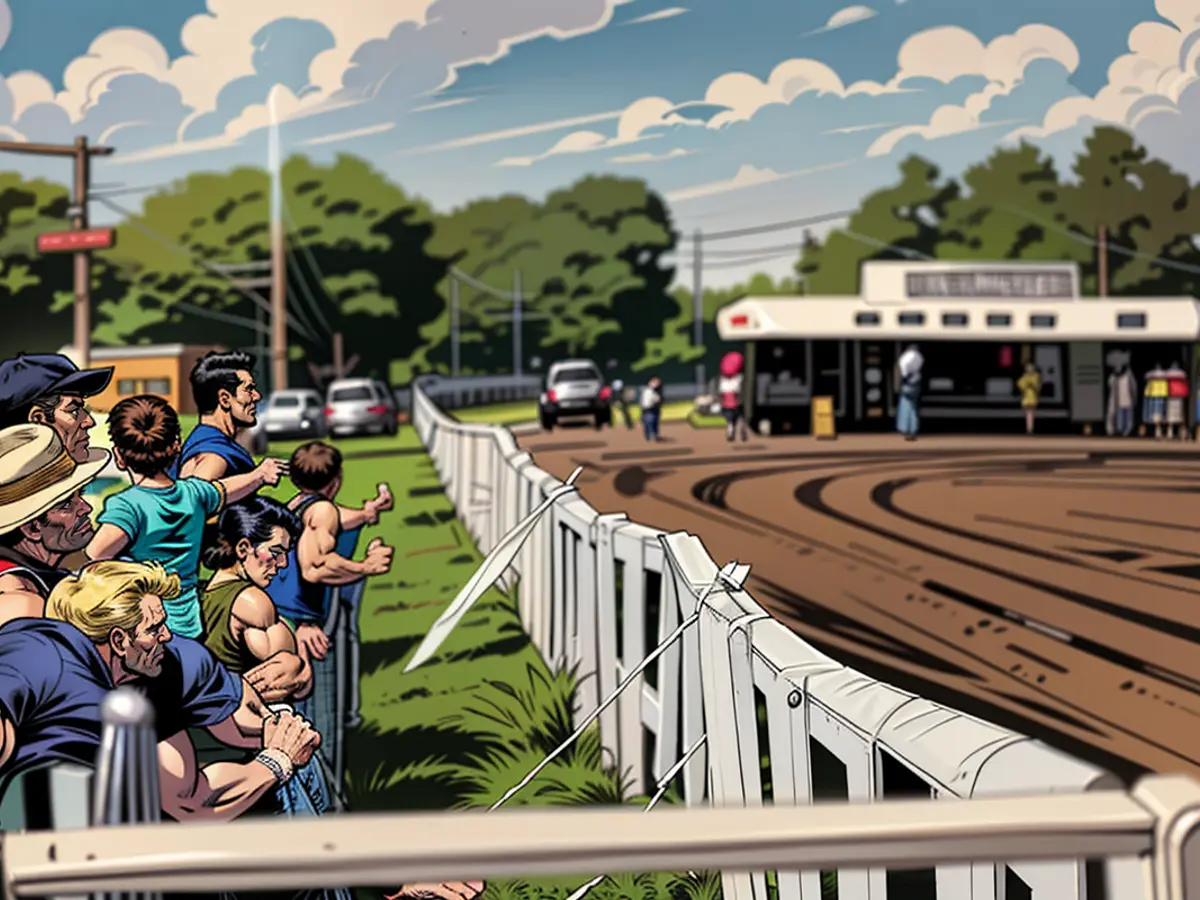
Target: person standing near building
730, 388
1030, 386
651, 408
1123, 396
908, 372
1154, 411
622, 401
1177, 397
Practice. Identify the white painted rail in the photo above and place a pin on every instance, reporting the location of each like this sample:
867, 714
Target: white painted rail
599, 592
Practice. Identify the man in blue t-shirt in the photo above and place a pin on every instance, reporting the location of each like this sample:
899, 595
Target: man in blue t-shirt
226, 397
106, 627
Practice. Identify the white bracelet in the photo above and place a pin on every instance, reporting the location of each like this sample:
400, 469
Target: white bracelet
278, 762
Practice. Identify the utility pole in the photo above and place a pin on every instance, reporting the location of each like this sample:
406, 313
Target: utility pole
279, 341
82, 155
1102, 259
454, 337
516, 322
698, 306
339, 358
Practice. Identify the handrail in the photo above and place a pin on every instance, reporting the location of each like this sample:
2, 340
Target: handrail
387, 850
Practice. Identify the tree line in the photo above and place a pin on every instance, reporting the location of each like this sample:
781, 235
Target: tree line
377, 264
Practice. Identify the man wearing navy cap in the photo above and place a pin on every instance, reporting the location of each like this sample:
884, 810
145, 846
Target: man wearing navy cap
49, 389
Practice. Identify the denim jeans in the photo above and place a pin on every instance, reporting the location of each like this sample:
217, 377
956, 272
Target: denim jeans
908, 421
1124, 423
650, 423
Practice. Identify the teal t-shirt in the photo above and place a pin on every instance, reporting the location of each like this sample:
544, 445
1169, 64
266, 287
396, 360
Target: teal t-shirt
166, 525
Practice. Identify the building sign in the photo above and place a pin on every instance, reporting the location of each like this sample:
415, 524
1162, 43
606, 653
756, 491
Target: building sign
1031, 284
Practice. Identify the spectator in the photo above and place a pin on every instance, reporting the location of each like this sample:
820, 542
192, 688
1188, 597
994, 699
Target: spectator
1176, 407
1030, 386
652, 408
49, 389
908, 405
1154, 409
107, 627
43, 516
241, 627
226, 395
622, 401
160, 518
730, 389
1122, 397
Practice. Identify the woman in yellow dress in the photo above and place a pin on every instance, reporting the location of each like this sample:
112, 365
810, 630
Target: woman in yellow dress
1030, 386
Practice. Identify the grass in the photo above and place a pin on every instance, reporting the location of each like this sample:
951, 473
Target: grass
526, 411
471, 722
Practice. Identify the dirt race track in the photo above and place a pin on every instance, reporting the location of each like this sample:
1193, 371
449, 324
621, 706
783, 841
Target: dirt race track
1049, 585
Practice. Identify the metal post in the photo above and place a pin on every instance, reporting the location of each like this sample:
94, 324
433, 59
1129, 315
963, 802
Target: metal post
279, 338
516, 323
83, 259
339, 356
126, 788
454, 336
698, 306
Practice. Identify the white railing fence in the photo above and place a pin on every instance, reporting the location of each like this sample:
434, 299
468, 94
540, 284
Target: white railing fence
789, 725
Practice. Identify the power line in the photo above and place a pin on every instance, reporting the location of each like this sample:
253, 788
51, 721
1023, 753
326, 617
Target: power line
487, 289
250, 295
767, 229
220, 317
873, 242
312, 262
794, 247
735, 263
1084, 239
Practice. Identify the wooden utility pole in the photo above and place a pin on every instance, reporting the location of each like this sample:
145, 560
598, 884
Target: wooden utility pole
82, 155
1102, 260
279, 339
339, 358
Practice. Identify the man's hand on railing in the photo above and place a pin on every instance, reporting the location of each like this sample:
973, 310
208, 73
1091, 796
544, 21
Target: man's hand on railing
279, 677
312, 641
451, 890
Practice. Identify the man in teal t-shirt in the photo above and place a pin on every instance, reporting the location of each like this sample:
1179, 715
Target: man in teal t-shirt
158, 518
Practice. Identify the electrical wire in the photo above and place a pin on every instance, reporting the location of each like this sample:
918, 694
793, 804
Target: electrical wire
219, 316
487, 289
882, 245
294, 238
750, 261
795, 246
767, 229
250, 295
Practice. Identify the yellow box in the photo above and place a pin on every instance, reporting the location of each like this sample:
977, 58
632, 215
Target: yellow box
823, 423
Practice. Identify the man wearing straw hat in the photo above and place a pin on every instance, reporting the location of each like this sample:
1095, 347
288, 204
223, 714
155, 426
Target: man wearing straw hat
43, 516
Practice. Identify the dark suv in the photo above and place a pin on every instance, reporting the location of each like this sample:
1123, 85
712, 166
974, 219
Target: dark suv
575, 388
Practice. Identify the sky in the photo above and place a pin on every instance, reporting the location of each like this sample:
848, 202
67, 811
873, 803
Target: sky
741, 113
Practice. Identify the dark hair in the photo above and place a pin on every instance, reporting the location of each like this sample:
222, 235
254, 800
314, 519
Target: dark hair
146, 430
214, 372
252, 519
314, 466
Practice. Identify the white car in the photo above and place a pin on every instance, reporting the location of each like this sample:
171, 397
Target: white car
294, 413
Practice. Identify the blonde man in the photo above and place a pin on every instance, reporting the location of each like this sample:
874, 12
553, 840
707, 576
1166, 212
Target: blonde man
106, 627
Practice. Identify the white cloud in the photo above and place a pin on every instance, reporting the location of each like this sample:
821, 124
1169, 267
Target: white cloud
670, 13
1148, 82
508, 134
636, 158
632, 125
127, 86
443, 104
381, 128
949, 53
843, 17
748, 176
855, 129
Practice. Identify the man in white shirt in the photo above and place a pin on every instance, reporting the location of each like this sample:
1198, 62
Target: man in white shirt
651, 408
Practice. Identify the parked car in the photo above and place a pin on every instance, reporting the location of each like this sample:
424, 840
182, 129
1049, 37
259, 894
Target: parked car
575, 388
360, 406
294, 413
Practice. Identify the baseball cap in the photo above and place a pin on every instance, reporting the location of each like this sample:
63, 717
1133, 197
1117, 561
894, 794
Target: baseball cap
28, 377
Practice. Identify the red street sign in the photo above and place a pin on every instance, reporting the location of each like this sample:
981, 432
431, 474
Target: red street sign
91, 239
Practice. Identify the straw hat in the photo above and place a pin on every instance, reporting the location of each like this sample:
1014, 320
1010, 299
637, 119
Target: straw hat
36, 473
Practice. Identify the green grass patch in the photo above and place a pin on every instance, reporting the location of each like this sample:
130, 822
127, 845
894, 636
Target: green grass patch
526, 411
703, 420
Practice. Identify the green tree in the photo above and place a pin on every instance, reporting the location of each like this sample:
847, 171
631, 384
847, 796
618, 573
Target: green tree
37, 291
899, 222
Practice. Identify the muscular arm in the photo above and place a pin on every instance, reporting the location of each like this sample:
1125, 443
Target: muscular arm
245, 727
19, 599
356, 518
208, 466
108, 542
8, 740
256, 624
239, 487
316, 550
217, 793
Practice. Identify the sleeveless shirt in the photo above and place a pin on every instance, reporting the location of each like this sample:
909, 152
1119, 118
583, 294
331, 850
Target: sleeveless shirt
216, 606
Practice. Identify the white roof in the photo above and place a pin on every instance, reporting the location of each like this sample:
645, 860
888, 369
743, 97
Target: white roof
980, 319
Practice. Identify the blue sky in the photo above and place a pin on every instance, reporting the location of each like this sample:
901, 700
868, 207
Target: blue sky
740, 113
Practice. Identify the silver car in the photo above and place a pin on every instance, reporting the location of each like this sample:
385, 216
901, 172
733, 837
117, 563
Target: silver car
294, 413
575, 388
360, 406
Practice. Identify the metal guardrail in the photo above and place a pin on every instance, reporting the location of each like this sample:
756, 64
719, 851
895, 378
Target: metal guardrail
480, 390
1157, 823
